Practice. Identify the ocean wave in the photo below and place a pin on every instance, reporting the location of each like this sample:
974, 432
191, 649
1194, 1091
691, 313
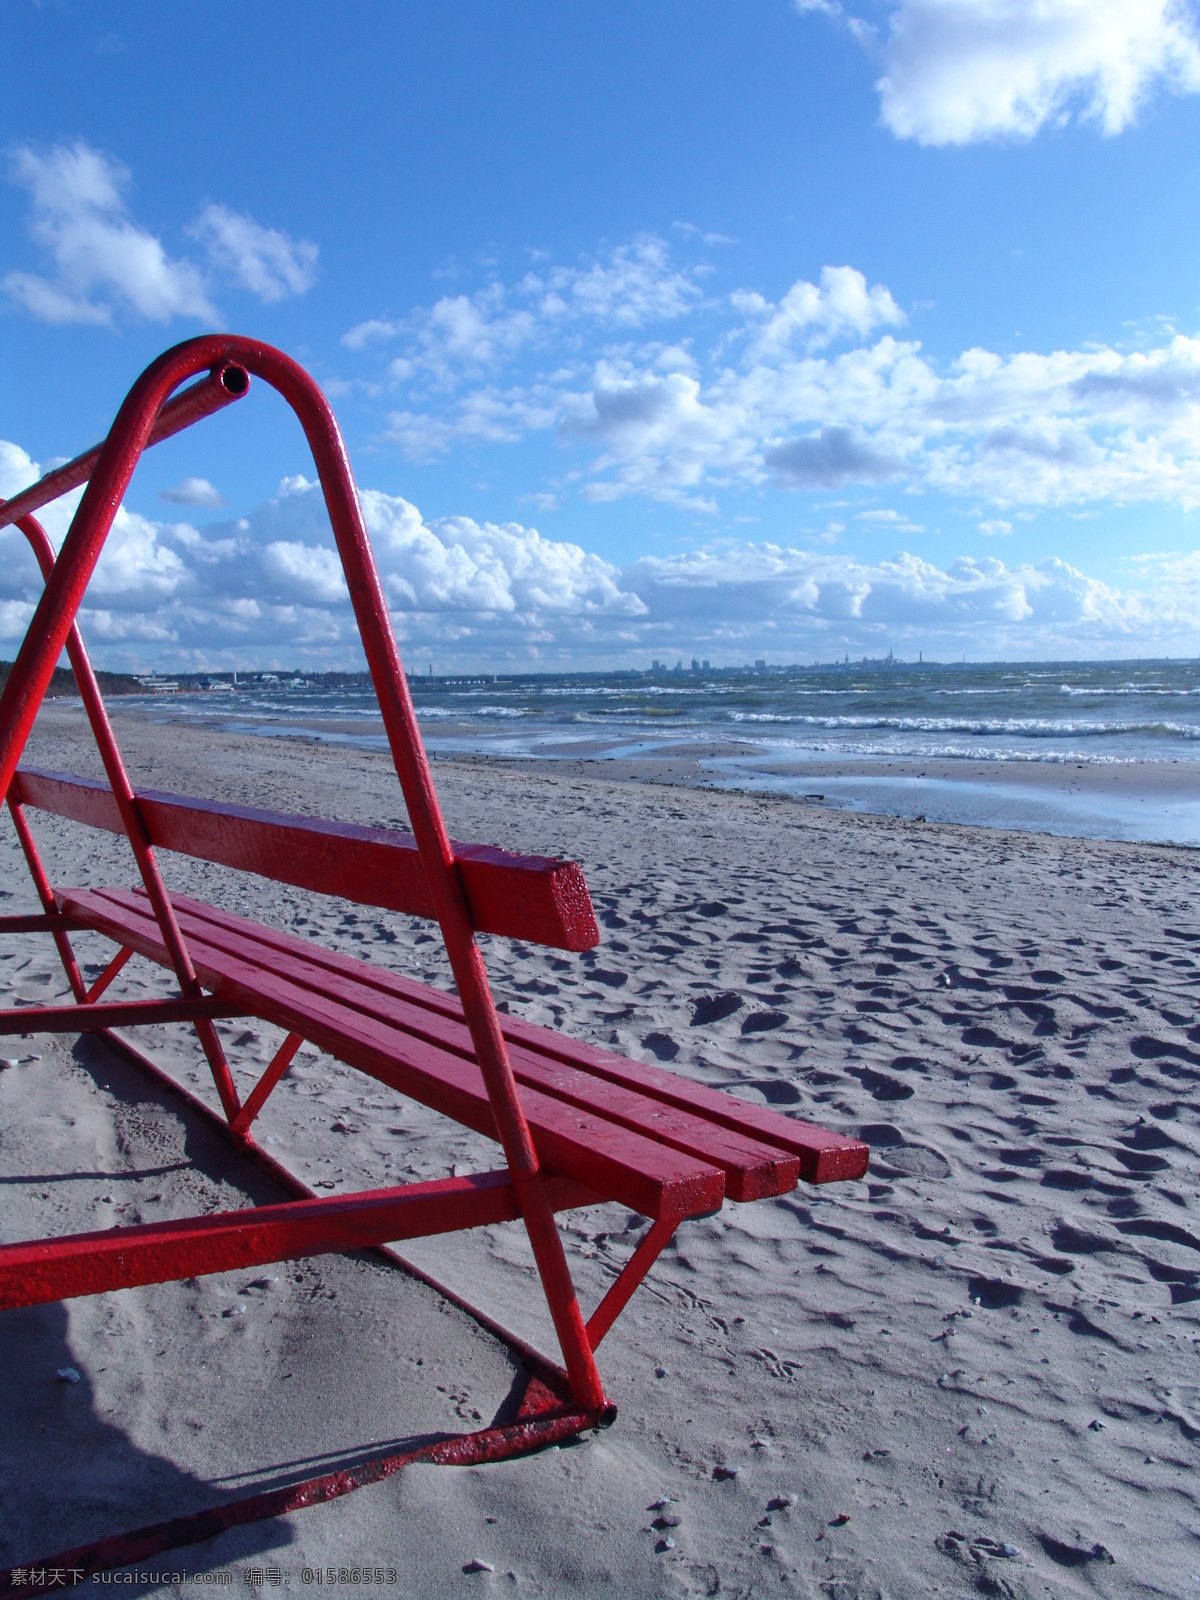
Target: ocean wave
1028, 727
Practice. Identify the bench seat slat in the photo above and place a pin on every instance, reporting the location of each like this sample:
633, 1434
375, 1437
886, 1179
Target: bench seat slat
753, 1170
824, 1157
537, 898
648, 1177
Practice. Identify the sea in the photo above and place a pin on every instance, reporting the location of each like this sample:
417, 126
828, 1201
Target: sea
1099, 749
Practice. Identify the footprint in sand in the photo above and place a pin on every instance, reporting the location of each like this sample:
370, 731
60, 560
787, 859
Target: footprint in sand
880, 1085
994, 1294
764, 1021
661, 1046
776, 1091
715, 1007
613, 980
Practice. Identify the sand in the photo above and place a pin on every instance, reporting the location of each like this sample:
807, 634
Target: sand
974, 1372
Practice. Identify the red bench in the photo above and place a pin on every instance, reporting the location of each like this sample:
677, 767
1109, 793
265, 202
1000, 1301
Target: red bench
577, 1125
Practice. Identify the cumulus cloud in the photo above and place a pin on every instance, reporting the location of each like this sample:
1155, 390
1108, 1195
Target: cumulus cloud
193, 492
890, 519
101, 260
830, 458
17, 469
959, 71
808, 392
269, 588
964, 70
462, 334
308, 573
484, 416
843, 304
103, 264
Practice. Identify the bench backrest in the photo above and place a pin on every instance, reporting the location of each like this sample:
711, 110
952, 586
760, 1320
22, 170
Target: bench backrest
537, 898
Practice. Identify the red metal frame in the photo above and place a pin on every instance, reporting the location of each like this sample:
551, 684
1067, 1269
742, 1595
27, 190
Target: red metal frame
670, 1148
53, 628
575, 1399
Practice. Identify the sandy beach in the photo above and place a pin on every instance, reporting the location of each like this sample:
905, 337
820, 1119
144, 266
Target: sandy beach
974, 1372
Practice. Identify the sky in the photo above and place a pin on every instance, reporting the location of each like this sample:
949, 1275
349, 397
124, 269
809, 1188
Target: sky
776, 328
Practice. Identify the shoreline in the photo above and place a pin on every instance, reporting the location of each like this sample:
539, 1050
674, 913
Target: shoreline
1147, 801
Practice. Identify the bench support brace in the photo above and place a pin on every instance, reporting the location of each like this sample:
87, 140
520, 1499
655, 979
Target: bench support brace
86, 1018
166, 1252
650, 1247
280, 1062
115, 966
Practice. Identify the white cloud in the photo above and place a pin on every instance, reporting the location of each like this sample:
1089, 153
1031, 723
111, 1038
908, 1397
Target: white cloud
103, 264
890, 519
470, 334
193, 492
826, 460
17, 469
957, 71
138, 565
100, 257
483, 416
636, 284
673, 421
843, 304
375, 331
269, 587
309, 573
264, 260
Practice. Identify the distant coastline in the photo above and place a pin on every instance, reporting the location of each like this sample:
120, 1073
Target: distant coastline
285, 679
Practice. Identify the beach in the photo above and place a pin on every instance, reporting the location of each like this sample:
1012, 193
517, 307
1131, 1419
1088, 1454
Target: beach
974, 1372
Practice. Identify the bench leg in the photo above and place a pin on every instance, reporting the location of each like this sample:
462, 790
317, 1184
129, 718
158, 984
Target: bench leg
118, 777
46, 895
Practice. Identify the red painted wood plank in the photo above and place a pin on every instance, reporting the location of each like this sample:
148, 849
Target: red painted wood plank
753, 1169
536, 898
648, 1177
120, 1258
824, 1157
78, 799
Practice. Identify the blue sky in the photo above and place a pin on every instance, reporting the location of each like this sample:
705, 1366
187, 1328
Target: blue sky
766, 328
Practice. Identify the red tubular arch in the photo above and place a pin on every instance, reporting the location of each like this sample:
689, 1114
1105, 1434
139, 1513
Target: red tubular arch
53, 625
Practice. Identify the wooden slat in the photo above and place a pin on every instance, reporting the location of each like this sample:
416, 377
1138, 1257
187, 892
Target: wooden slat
536, 898
824, 1157
78, 799
648, 1177
753, 1169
